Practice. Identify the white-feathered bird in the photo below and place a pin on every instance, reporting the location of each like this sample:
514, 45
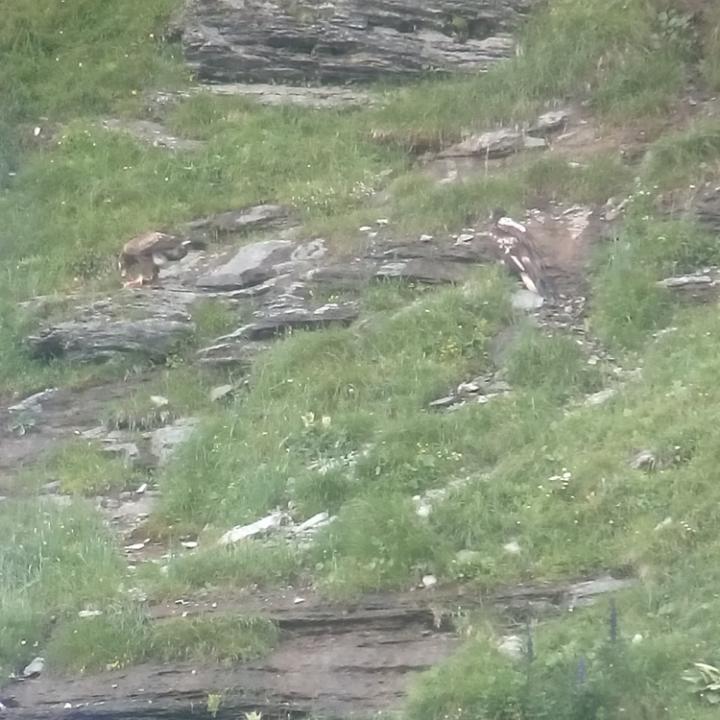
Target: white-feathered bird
518, 252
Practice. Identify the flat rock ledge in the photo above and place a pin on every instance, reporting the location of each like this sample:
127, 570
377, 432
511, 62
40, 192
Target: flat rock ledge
140, 325
272, 41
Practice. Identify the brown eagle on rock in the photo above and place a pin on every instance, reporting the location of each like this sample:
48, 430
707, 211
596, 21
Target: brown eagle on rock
518, 253
143, 256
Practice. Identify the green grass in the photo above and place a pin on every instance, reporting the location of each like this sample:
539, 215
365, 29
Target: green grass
82, 468
93, 190
551, 363
185, 388
600, 514
70, 59
419, 205
54, 561
577, 671
321, 398
70, 209
711, 47
338, 420
377, 542
607, 52
125, 638
679, 159
241, 566
628, 304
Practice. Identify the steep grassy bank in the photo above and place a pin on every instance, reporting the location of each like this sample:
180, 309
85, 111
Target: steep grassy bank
338, 420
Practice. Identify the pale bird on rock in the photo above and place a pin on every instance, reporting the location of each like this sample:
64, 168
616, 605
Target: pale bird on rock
518, 253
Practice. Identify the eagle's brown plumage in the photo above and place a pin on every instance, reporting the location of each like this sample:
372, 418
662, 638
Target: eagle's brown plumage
143, 255
518, 253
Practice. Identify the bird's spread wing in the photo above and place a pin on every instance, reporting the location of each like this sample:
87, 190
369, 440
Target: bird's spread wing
507, 223
151, 242
520, 256
519, 264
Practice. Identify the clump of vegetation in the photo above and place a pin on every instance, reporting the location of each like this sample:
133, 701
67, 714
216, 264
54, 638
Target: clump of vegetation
54, 561
608, 52
247, 564
628, 303
711, 46
83, 468
318, 399
682, 158
378, 541
529, 485
176, 390
552, 363
125, 638
69, 59
580, 669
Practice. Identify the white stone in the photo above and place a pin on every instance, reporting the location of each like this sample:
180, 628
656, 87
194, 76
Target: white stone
33, 402
512, 548
601, 397
526, 300
34, 668
244, 532
164, 440
221, 392
429, 581
313, 523
512, 647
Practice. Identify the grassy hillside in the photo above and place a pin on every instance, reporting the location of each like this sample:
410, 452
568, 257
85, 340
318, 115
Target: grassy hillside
537, 469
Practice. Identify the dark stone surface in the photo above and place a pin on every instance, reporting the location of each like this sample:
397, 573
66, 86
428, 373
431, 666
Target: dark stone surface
270, 41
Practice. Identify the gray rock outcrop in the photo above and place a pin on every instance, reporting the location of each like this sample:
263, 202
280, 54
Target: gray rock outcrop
138, 324
274, 41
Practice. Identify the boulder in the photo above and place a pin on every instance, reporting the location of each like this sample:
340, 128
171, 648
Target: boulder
137, 322
100, 340
312, 97
424, 272
550, 122
700, 286
165, 440
273, 41
494, 144
242, 220
251, 265
236, 355
295, 318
